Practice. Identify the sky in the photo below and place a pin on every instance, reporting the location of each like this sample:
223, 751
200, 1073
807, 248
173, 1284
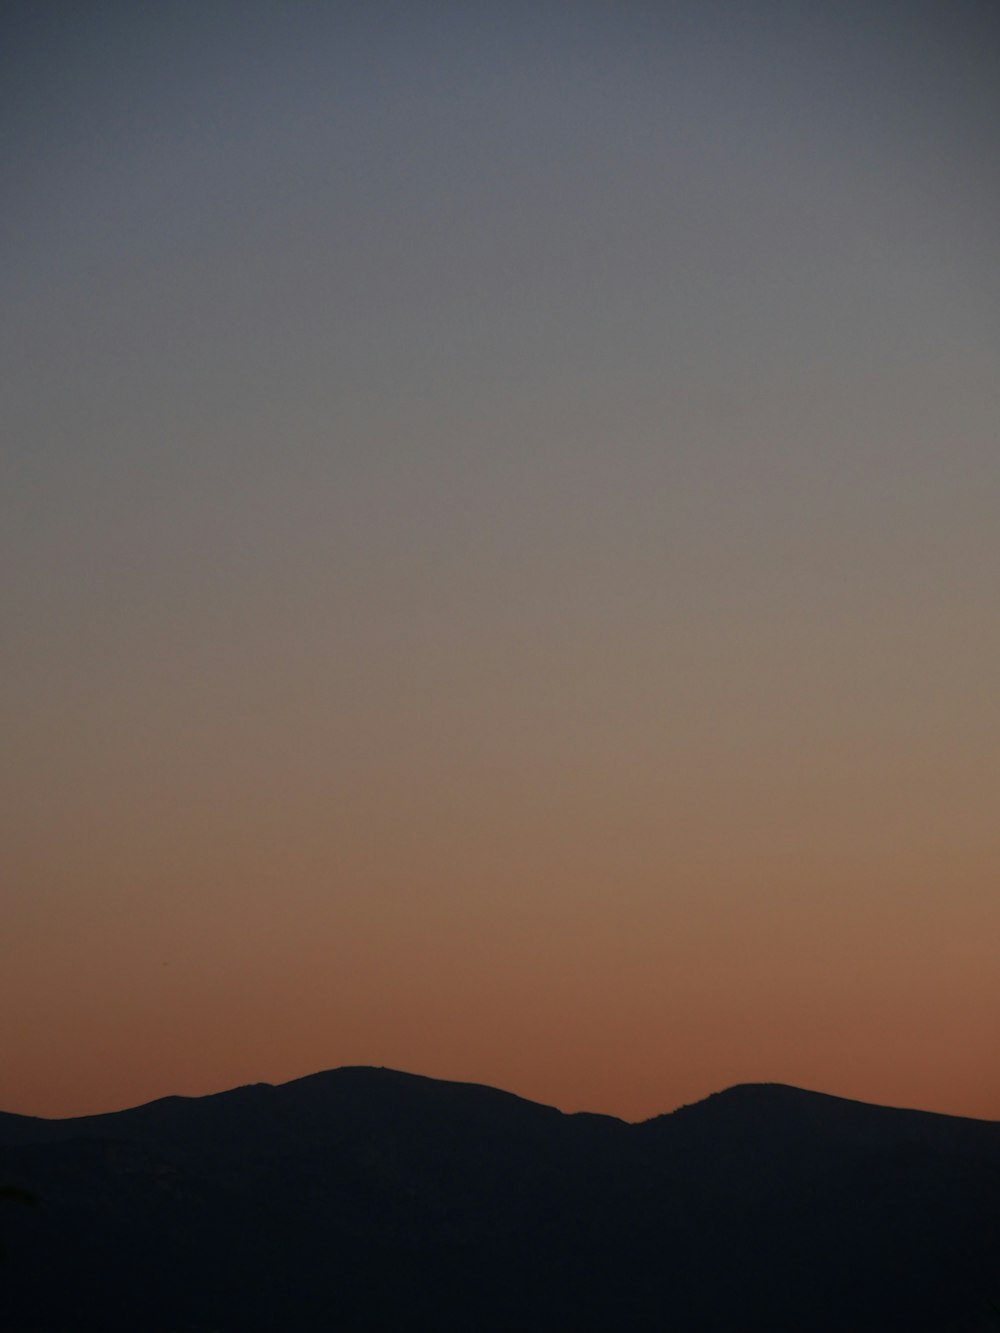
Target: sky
501, 548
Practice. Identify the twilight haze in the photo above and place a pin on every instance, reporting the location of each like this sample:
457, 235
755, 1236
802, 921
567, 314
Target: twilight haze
501, 549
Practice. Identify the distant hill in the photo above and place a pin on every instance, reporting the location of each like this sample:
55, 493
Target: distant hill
366, 1199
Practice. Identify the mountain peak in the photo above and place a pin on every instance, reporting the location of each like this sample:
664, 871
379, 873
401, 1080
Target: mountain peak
372, 1198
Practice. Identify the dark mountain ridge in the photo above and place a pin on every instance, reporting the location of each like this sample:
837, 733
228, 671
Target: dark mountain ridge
366, 1198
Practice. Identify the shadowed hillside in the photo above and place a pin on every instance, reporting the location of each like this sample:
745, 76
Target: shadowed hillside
370, 1199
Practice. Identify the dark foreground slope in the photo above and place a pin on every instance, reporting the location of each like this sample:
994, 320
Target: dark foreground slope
369, 1199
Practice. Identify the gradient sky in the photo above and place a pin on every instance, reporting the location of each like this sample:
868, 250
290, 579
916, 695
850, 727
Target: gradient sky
501, 548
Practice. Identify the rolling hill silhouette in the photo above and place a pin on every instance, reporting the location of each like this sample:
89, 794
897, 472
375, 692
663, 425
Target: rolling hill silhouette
371, 1199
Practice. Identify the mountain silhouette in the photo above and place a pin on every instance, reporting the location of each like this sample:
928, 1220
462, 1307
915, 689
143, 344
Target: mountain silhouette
368, 1199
